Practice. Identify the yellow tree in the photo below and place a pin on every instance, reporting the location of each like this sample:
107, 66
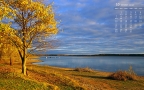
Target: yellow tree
7, 49
5, 29
32, 21
6, 46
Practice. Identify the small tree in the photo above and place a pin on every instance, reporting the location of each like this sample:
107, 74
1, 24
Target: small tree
6, 46
33, 22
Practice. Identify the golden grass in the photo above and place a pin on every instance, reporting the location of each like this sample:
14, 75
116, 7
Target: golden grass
69, 79
87, 69
124, 75
42, 74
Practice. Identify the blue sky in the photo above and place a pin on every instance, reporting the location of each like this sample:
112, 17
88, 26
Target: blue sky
88, 27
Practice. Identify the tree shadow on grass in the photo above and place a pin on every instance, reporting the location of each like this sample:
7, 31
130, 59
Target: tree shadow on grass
96, 77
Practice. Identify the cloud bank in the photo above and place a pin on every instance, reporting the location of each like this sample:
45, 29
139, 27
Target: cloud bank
88, 28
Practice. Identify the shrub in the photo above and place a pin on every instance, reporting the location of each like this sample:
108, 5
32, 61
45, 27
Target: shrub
124, 75
87, 69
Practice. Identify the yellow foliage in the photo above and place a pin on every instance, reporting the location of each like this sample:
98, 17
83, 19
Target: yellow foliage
34, 21
5, 10
5, 44
33, 18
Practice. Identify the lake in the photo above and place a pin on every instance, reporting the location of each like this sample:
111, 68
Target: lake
102, 63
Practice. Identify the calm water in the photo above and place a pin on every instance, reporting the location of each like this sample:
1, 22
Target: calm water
103, 63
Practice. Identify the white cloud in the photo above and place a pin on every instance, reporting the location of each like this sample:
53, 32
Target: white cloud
139, 42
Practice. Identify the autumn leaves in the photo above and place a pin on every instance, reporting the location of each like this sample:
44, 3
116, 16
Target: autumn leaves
28, 22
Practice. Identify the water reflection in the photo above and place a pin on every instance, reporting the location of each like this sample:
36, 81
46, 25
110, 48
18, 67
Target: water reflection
103, 63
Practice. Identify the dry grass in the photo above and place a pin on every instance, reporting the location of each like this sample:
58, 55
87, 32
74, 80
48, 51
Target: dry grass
87, 69
46, 75
124, 75
54, 78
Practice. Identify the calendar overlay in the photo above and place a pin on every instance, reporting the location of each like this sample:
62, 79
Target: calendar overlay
128, 17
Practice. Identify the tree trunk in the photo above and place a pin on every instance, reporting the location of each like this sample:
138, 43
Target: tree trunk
11, 62
24, 61
24, 66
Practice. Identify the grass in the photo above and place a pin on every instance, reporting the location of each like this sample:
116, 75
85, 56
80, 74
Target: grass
11, 81
87, 69
54, 78
122, 75
20, 84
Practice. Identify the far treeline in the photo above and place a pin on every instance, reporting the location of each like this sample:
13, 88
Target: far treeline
90, 55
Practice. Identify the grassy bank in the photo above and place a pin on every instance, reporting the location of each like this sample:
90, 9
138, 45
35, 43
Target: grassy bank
54, 78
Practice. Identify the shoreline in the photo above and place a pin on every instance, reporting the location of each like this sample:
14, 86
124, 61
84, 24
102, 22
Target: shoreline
37, 60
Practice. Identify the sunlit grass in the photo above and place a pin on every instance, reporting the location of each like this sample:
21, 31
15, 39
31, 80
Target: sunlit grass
9, 81
54, 78
57, 78
87, 69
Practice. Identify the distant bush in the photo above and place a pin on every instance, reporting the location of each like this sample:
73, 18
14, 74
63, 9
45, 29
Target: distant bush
124, 75
87, 69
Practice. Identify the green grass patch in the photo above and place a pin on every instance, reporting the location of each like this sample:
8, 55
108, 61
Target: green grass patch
9, 81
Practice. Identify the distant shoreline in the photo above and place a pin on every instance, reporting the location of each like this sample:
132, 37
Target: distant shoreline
90, 55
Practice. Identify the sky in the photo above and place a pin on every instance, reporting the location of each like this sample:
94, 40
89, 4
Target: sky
88, 27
